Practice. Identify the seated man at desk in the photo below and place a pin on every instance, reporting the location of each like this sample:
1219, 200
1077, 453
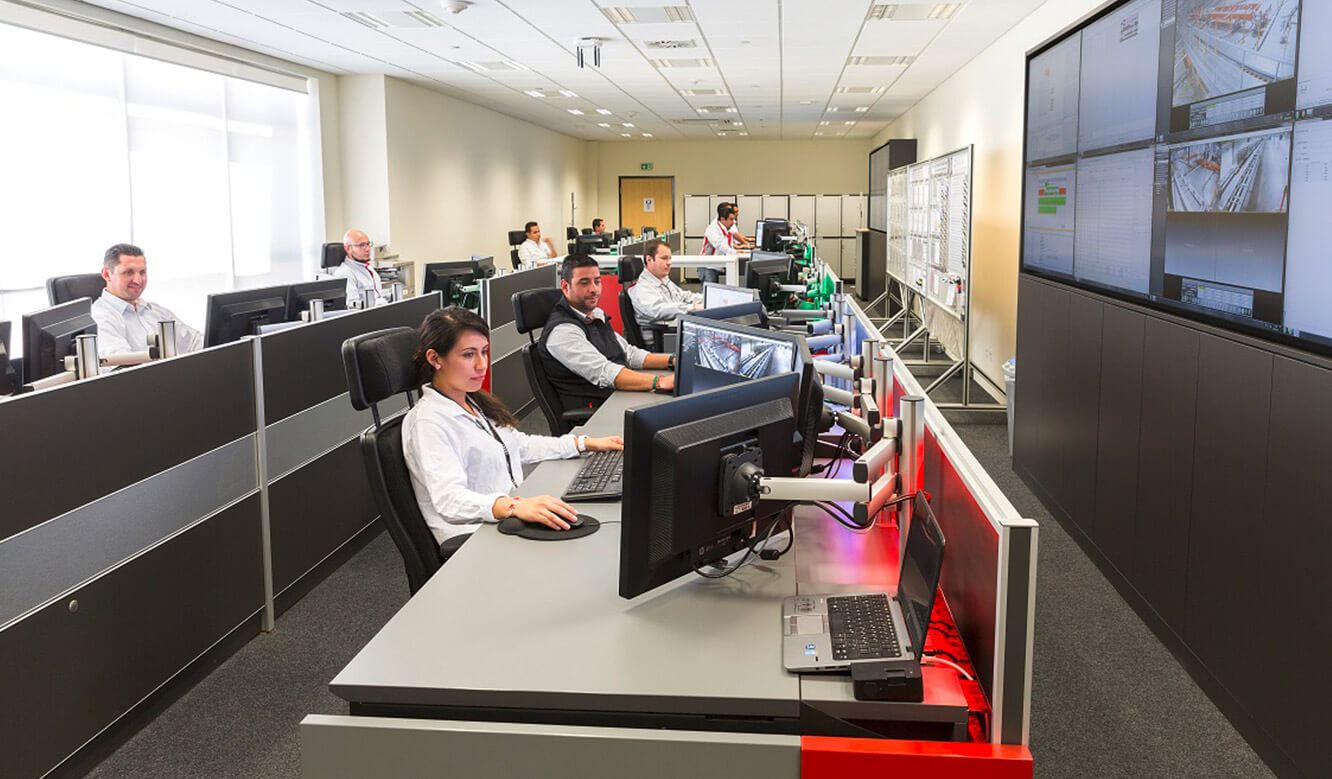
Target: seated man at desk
357, 269
598, 226
124, 319
584, 358
535, 248
657, 299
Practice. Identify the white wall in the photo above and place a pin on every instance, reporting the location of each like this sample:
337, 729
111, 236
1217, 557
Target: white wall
740, 167
982, 104
461, 176
363, 156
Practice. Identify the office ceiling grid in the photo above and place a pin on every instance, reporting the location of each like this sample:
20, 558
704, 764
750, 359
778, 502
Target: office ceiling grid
670, 69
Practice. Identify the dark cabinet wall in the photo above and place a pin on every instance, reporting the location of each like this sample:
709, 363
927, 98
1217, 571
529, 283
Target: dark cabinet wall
1191, 464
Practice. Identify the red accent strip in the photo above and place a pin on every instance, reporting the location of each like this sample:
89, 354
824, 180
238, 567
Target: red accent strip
844, 758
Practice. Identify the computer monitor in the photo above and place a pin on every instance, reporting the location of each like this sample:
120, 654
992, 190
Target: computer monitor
768, 234
711, 354
484, 266
672, 520
234, 315
333, 292
751, 314
922, 562
715, 295
623, 233
766, 274
586, 244
48, 337
449, 278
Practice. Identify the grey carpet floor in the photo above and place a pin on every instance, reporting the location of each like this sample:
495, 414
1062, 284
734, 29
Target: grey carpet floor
1108, 699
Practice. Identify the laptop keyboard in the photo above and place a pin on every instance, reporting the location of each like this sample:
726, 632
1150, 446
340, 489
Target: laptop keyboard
599, 477
862, 627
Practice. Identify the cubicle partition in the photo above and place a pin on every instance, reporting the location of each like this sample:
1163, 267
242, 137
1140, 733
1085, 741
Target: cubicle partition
507, 377
129, 545
147, 526
319, 501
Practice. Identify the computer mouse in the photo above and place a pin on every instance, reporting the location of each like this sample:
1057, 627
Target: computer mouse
577, 521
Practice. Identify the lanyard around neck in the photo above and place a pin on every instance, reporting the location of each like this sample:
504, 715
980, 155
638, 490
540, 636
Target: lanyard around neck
485, 424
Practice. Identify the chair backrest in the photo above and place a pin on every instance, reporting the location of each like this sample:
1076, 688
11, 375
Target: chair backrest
629, 321
587, 231
571, 233
334, 254
548, 400
62, 289
516, 237
532, 307
379, 365
629, 269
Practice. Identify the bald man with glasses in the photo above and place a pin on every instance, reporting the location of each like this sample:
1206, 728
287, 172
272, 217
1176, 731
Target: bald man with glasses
356, 268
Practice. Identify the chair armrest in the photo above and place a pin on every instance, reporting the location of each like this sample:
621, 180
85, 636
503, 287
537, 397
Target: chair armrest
577, 416
658, 338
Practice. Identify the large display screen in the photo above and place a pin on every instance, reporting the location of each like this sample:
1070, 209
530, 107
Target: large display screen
1179, 153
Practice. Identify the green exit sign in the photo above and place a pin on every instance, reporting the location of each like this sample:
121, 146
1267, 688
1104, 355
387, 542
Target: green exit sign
645, 166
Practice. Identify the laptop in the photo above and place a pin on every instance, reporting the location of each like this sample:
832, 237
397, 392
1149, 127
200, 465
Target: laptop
835, 632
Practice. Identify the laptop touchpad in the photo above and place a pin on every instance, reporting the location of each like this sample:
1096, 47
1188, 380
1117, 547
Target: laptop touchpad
809, 624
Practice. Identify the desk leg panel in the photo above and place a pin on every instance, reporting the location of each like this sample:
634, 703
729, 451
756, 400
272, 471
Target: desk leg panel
316, 509
78, 665
337, 746
844, 758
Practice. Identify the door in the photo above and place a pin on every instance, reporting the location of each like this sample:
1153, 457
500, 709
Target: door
647, 201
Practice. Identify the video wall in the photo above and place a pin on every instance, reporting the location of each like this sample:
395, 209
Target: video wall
1179, 153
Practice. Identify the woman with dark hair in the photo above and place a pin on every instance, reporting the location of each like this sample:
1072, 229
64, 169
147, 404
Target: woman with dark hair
463, 447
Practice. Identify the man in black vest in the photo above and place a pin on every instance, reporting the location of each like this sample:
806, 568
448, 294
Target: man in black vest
584, 358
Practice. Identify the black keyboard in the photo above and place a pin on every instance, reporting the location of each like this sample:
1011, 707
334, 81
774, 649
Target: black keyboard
599, 478
862, 627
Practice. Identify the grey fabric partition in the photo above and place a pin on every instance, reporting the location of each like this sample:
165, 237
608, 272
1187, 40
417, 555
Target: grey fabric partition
1190, 463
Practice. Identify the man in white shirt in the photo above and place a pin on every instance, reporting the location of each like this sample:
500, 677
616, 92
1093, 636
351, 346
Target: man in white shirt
124, 320
535, 248
585, 360
742, 241
598, 226
656, 298
720, 238
357, 269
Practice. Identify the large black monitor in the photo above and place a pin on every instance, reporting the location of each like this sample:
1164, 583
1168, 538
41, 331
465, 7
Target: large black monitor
333, 292
766, 274
48, 337
712, 353
751, 314
586, 244
234, 315
449, 278
1177, 156
768, 234
672, 520
484, 267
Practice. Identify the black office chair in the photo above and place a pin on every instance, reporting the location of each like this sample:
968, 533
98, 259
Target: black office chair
587, 231
516, 238
571, 235
62, 289
623, 233
630, 268
531, 309
334, 254
378, 366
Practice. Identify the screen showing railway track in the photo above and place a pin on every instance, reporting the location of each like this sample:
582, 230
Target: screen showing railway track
1179, 153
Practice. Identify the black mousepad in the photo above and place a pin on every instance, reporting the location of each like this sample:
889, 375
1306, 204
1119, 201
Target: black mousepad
514, 526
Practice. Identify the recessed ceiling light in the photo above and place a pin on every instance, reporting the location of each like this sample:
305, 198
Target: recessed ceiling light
860, 109
860, 90
647, 15
848, 123
744, 133
663, 64
806, 102
914, 11
880, 61
626, 124
575, 112
824, 124
602, 124
818, 133
603, 112
833, 109
625, 135
944, 10
680, 44
515, 65
475, 67
647, 135
567, 93
737, 124
703, 92
367, 19
533, 92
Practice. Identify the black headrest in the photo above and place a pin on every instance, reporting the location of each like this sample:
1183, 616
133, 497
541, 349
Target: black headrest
379, 364
532, 307
630, 269
587, 231
334, 254
516, 237
571, 233
62, 289
623, 233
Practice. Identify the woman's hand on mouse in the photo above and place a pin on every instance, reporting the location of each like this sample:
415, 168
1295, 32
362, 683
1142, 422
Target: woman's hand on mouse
545, 510
608, 444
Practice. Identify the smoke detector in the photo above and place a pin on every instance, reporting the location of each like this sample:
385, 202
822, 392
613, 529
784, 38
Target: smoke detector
456, 7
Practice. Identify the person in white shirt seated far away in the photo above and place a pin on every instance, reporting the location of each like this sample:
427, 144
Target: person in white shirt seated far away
357, 269
462, 445
535, 248
657, 299
124, 319
598, 226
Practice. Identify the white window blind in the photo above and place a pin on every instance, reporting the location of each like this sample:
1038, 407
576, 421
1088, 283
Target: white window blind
213, 176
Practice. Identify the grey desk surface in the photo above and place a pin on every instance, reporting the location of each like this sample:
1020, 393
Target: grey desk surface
540, 625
